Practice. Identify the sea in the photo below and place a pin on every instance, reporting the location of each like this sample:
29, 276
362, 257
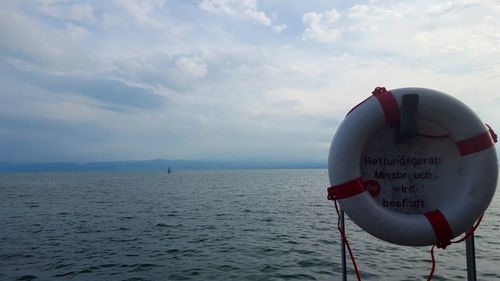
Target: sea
204, 225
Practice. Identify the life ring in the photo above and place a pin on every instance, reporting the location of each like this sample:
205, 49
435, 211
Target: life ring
471, 198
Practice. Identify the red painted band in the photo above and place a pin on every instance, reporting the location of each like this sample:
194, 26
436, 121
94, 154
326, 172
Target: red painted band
440, 226
346, 190
475, 144
389, 106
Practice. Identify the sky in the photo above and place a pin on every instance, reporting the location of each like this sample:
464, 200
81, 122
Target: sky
234, 80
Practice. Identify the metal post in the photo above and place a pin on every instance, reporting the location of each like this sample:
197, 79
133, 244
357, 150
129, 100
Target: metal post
344, 261
471, 258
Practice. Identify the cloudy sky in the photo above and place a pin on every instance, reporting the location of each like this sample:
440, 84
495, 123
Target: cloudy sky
225, 79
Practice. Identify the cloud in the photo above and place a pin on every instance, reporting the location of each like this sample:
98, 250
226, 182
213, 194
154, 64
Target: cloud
27, 39
246, 10
142, 12
279, 28
108, 93
50, 47
79, 12
449, 36
113, 94
168, 79
191, 67
321, 27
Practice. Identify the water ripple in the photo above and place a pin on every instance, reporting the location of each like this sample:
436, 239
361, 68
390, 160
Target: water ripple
220, 225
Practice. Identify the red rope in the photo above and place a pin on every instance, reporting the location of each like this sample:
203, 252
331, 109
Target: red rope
344, 238
433, 137
466, 236
494, 136
470, 232
433, 264
433, 259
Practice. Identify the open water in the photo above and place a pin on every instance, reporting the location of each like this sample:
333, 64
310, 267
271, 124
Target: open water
215, 225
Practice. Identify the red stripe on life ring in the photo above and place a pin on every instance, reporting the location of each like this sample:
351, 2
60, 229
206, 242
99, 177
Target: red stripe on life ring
475, 144
346, 190
389, 105
441, 228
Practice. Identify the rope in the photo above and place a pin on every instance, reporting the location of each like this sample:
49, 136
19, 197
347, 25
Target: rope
494, 136
344, 238
444, 244
433, 259
433, 263
433, 137
466, 236
441, 244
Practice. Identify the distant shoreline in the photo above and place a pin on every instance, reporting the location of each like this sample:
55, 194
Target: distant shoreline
157, 165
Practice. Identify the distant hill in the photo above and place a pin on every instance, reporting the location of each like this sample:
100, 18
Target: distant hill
154, 165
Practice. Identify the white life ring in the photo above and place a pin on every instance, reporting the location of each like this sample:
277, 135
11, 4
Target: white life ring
477, 180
